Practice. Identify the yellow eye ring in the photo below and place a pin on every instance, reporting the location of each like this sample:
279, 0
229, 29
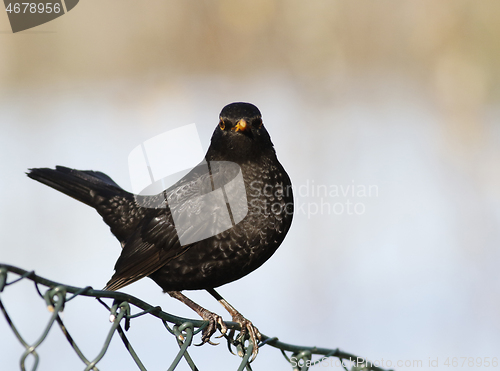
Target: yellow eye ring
222, 125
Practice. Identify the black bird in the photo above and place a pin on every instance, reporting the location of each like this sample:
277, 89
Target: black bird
180, 238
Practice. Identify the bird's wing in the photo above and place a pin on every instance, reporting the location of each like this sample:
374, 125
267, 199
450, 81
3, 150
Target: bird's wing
154, 243
195, 211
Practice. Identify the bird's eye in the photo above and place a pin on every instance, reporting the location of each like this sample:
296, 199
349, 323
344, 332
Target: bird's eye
222, 125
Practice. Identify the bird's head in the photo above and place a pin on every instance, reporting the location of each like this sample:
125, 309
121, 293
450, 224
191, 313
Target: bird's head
240, 133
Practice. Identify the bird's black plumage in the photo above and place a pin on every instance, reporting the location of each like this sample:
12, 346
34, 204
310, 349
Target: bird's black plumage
145, 225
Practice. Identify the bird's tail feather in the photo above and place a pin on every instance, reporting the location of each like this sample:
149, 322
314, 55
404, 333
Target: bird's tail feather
79, 184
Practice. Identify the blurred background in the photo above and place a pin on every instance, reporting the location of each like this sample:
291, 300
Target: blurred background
400, 96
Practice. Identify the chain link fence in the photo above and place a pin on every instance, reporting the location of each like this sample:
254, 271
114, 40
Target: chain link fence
56, 295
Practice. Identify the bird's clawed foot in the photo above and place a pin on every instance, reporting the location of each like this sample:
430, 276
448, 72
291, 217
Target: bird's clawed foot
248, 330
213, 320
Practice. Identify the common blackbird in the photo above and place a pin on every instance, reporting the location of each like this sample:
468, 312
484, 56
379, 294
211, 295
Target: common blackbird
180, 237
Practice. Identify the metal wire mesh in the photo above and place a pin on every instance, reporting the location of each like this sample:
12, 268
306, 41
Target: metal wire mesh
56, 295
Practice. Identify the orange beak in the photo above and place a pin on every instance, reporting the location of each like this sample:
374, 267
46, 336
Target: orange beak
241, 125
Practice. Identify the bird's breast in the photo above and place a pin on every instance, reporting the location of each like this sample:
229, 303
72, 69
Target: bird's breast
267, 201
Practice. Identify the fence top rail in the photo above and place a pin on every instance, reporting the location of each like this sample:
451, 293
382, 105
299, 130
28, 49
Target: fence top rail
299, 352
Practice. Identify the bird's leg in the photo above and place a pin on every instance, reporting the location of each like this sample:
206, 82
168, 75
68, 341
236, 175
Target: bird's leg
246, 326
212, 318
